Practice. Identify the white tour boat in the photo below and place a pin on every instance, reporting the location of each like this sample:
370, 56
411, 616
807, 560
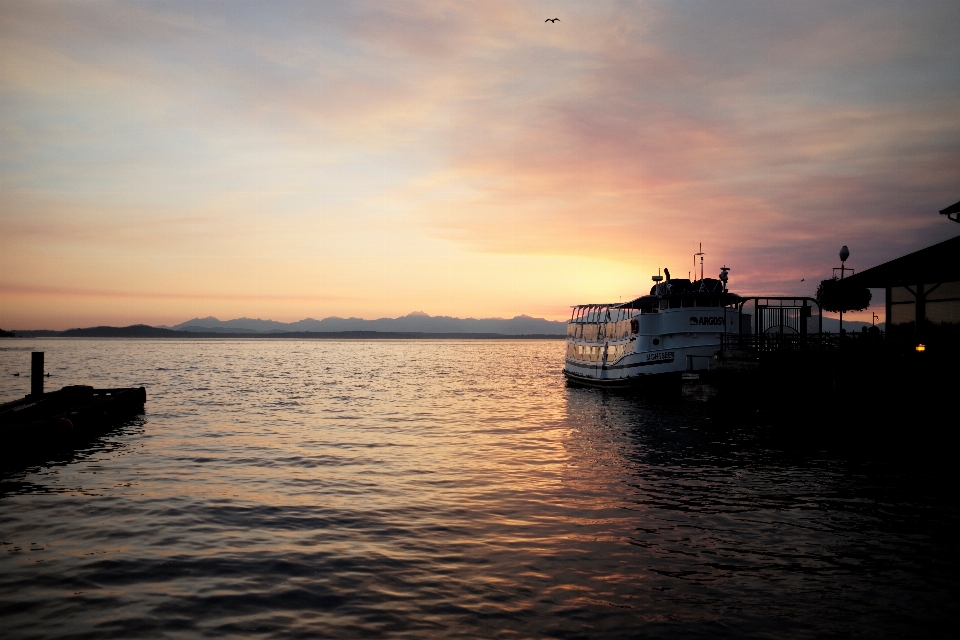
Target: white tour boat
677, 327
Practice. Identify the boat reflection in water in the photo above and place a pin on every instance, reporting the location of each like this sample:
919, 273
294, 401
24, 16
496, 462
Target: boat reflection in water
711, 525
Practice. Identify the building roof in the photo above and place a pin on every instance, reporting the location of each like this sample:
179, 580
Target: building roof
937, 263
954, 208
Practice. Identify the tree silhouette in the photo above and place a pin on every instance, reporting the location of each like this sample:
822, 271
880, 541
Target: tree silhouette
833, 295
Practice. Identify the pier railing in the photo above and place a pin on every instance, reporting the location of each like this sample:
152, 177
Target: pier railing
772, 342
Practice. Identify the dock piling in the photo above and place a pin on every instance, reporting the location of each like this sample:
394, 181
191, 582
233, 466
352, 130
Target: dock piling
36, 373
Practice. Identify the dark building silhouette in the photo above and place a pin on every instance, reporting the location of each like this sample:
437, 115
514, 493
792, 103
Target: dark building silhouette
922, 291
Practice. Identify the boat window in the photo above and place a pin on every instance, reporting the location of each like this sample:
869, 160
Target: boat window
674, 303
688, 301
589, 331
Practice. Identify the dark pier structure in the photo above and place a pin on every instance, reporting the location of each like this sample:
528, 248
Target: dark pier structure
42, 423
906, 374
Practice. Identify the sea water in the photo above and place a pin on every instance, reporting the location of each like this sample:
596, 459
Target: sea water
316, 488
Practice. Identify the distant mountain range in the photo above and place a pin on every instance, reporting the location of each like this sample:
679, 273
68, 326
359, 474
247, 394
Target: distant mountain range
414, 325
416, 322
145, 331
832, 325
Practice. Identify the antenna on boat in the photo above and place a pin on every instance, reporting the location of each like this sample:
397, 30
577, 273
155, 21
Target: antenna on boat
701, 254
657, 279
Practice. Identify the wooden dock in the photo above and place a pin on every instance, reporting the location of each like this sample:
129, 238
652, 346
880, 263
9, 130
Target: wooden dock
61, 420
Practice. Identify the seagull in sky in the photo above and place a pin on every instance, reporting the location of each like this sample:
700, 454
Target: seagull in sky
802, 279
552, 20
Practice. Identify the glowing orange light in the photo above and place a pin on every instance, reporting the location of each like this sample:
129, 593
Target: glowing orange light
920, 347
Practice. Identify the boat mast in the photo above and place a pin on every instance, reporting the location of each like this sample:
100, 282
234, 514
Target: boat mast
701, 254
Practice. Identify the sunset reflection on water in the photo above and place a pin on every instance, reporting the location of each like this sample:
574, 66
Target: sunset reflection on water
411, 488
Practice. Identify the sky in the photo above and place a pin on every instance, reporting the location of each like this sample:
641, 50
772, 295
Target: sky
167, 160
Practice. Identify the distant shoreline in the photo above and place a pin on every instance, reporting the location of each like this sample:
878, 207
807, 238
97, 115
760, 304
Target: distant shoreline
143, 331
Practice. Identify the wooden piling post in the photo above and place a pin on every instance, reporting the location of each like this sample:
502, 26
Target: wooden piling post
36, 373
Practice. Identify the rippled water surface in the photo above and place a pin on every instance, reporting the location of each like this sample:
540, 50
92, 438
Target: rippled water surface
280, 488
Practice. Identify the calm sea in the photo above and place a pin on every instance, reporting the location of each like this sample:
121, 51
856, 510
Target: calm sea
280, 488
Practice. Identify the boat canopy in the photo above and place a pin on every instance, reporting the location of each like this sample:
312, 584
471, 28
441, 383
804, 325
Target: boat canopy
652, 304
679, 292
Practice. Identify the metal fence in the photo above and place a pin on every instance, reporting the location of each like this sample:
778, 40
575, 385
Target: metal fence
770, 342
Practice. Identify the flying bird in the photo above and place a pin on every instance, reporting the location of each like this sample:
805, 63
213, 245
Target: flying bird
552, 20
802, 279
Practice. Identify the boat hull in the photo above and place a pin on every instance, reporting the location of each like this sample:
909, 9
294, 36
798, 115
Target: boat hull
636, 366
633, 382
666, 343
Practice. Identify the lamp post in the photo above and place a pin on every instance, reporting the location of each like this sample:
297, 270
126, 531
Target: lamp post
844, 254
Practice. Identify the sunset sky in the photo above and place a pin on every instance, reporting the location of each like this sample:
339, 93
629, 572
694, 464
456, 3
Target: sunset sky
166, 160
